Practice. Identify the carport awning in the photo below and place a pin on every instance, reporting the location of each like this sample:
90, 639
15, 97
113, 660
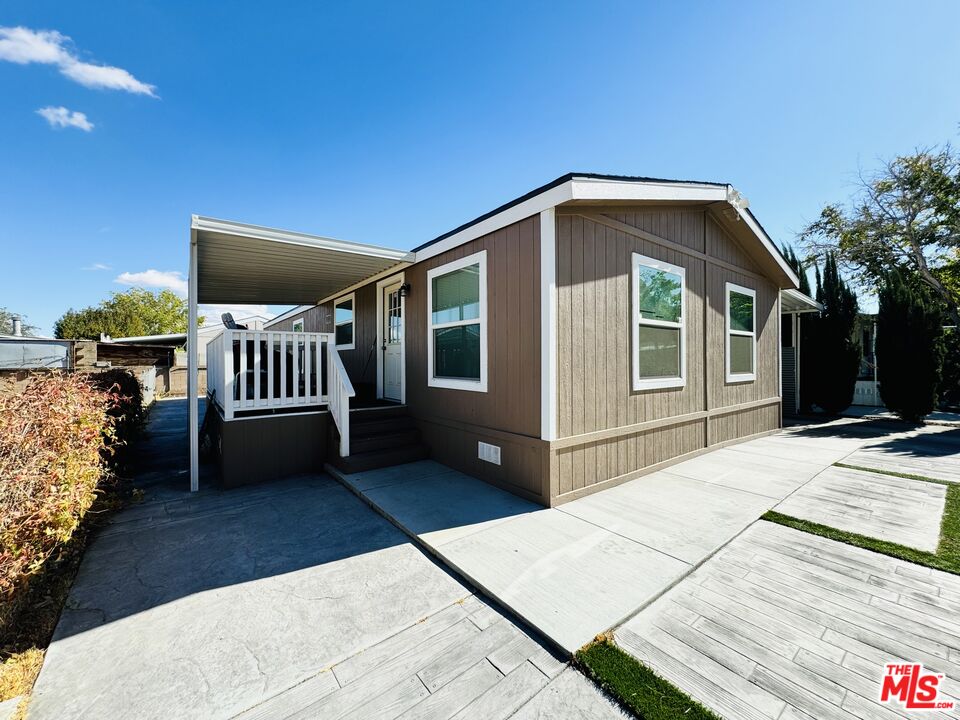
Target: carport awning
794, 301
248, 264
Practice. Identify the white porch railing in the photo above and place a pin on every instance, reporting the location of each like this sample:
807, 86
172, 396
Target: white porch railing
261, 370
340, 390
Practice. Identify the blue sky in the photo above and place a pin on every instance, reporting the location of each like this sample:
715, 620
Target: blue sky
393, 123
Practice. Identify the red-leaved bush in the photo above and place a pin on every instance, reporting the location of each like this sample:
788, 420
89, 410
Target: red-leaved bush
54, 438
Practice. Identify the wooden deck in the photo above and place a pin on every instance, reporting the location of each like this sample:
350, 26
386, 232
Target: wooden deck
784, 624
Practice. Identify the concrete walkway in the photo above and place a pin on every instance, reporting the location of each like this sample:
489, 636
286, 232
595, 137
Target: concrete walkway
292, 599
784, 624
886, 507
584, 567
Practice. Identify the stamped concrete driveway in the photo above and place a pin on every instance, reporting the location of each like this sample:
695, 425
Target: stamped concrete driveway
292, 599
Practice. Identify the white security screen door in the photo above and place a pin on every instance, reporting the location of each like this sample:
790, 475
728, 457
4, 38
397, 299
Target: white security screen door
392, 343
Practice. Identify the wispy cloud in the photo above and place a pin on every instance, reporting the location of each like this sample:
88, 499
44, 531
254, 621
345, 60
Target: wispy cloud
166, 280
96, 266
24, 46
60, 117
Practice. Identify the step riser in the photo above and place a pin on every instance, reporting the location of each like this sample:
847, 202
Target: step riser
383, 442
374, 461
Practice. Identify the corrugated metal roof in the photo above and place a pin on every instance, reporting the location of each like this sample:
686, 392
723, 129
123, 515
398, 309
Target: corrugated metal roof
249, 264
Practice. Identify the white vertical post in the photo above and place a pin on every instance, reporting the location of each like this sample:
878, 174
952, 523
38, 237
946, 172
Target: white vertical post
283, 368
192, 371
548, 324
270, 369
256, 368
229, 379
296, 369
306, 368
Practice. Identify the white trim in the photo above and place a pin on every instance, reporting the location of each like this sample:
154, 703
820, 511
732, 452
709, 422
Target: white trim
352, 298
548, 324
636, 261
192, 365
740, 377
533, 206
779, 352
293, 325
479, 258
381, 284
584, 188
390, 271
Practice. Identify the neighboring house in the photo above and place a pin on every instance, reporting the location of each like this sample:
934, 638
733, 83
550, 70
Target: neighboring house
591, 331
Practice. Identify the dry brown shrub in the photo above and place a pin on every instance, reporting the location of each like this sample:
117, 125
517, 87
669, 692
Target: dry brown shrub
54, 436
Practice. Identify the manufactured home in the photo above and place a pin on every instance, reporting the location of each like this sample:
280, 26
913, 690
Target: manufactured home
593, 330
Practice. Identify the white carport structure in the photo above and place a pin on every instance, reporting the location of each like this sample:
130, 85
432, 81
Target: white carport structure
236, 263
793, 304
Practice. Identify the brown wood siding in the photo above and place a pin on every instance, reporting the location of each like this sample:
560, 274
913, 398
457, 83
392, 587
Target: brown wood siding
319, 318
360, 363
512, 401
609, 433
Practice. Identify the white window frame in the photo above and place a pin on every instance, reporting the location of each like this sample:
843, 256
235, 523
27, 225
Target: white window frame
459, 383
353, 320
740, 377
298, 321
638, 260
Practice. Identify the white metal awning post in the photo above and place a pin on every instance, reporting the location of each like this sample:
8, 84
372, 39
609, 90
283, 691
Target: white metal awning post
192, 369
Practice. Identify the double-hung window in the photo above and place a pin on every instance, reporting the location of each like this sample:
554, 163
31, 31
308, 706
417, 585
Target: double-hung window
457, 320
659, 358
343, 322
741, 347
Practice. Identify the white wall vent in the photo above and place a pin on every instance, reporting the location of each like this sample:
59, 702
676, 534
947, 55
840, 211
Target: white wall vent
488, 452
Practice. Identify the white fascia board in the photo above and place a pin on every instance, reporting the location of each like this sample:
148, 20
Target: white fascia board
392, 270
228, 227
598, 189
534, 206
577, 189
769, 246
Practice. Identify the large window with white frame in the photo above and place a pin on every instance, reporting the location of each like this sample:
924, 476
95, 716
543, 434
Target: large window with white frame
741, 345
659, 330
343, 322
457, 324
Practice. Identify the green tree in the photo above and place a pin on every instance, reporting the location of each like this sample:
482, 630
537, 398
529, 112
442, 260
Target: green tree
132, 313
799, 267
835, 354
905, 218
909, 346
6, 323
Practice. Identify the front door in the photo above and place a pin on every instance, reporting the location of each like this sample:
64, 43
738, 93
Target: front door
392, 348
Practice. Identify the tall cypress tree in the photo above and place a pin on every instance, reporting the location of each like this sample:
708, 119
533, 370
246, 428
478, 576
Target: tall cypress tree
835, 352
806, 367
909, 347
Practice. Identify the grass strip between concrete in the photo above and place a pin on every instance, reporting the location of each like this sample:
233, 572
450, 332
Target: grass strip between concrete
637, 687
947, 556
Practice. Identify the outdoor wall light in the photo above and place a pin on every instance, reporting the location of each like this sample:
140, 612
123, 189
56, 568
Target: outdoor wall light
405, 290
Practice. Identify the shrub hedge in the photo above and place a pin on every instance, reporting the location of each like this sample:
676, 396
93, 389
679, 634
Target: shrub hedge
55, 439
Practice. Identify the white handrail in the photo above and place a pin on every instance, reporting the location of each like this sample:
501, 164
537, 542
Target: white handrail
339, 390
251, 370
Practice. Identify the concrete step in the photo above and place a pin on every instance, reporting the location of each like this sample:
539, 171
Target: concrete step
371, 460
406, 435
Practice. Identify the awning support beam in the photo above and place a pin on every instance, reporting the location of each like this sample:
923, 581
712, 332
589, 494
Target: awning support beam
192, 363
